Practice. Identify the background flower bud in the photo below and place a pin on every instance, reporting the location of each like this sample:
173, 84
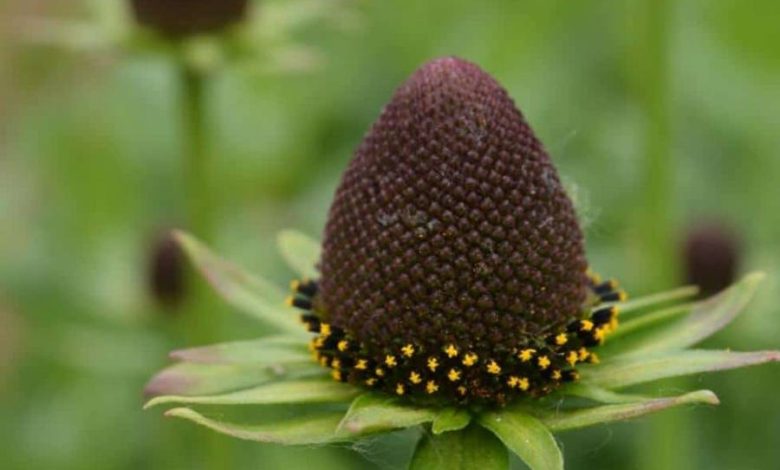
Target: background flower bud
178, 18
712, 254
167, 272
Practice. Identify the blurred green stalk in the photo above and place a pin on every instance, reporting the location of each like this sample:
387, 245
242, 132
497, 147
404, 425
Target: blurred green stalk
651, 66
196, 151
666, 441
201, 324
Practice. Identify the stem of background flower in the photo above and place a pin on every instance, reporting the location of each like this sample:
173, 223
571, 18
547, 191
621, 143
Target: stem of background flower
196, 152
667, 441
200, 324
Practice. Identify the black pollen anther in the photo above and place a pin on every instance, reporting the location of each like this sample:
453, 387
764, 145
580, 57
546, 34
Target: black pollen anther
603, 315
312, 322
574, 326
570, 375
613, 296
301, 303
590, 339
606, 287
306, 288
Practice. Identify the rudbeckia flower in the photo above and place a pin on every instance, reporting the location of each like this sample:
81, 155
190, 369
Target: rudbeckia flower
205, 35
178, 18
450, 293
711, 255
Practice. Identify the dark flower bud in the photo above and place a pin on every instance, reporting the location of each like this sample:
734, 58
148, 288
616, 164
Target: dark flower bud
711, 253
453, 263
178, 18
167, 272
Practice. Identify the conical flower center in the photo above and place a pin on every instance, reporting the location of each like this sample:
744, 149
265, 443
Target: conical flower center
453, 261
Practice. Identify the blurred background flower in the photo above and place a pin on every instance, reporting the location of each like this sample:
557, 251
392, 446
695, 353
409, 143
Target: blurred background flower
166, 272
668, 113
712, 255
179, 18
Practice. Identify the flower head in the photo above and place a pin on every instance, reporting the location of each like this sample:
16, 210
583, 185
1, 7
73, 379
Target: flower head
451, 239
166, 271
451, 291
711, 253
178, 18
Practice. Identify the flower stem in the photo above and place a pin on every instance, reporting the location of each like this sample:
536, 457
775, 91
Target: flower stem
201, 325
196, 151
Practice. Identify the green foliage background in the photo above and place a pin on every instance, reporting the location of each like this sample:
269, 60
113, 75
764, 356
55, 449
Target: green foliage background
657, 113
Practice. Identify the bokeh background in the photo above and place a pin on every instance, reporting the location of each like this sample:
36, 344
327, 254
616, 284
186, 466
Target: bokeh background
660, 115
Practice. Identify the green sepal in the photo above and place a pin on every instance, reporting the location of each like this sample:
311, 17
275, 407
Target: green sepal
640, 304
312, 390
249, 294
567, 420
274, 350
526, 436
600, 394
648, 320
308, 430
301, 252
705, 319
450, 419
374, 413
194, 379
472, 448
623, 372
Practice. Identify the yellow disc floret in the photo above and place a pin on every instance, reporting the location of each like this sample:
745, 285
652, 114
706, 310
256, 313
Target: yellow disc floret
493, 367
451, 351
470, 359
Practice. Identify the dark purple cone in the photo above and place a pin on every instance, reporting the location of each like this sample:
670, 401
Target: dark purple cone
712, 254
167, 272
450, 224
179, 18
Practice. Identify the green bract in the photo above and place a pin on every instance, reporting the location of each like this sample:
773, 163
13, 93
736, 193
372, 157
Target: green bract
653, 343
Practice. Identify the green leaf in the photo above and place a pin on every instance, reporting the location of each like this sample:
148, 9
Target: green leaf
372, 413
654, 300
472, 448
309, 430
623, 372
705, 319
526, 436
248, 293
648, 320
567, 420
205, 379
265, 351
301, 252
599, 394
315, 390
451, 419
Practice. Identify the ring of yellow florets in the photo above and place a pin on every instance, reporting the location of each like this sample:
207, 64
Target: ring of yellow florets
455, 373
